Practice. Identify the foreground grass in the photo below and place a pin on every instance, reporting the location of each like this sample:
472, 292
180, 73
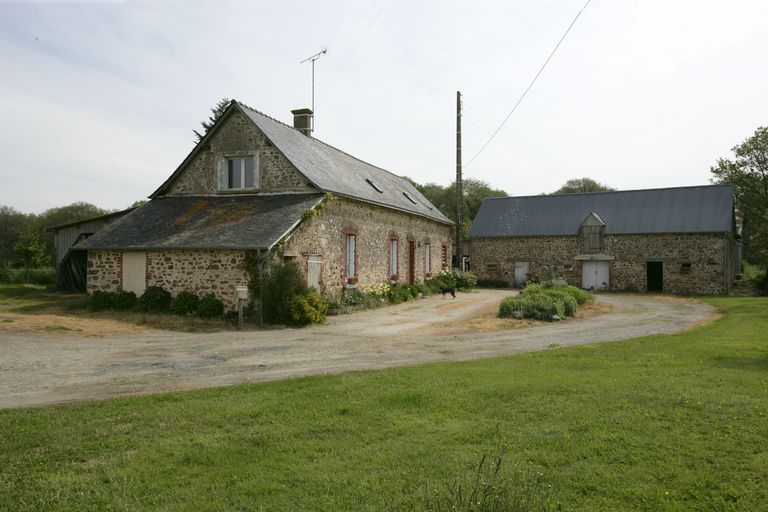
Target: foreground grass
35, 299
659, 423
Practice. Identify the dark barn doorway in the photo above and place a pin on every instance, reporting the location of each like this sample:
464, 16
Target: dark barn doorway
654, 271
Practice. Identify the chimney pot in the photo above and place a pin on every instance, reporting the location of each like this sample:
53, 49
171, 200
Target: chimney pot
302, 120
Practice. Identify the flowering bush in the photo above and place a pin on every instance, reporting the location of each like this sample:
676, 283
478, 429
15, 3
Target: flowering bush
377, 290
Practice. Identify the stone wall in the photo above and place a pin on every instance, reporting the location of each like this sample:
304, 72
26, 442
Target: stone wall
238, 135
693, 263
374, 226
104, 271
200, 272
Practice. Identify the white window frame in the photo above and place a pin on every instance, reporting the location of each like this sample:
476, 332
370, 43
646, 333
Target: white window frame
350, 267
242, 156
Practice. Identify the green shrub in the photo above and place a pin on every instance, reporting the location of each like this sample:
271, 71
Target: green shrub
100, 301
41, 276
577, 293
354, 298
284, 282
123, 301
532, 288
287, 300
154, 300
307, 309
424, 289
539, 306
447, 278
210, 307
570, 306
185, 304
580, 295
413, 290
465, 280
434, 284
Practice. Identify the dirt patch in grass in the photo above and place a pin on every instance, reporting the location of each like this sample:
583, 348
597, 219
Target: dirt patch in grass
68, 325
592, 308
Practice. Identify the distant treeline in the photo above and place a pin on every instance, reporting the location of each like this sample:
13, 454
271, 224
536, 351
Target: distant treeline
24, 241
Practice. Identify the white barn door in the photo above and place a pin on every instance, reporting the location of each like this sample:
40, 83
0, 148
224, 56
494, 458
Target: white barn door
135, 272
521, 273
594, 275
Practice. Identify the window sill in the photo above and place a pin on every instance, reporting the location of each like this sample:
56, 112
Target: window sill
238, 191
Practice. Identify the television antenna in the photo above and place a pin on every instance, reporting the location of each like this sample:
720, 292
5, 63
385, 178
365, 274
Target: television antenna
312, 59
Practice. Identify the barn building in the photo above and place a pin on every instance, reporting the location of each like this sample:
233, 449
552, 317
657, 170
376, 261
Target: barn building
676, 240
71, 260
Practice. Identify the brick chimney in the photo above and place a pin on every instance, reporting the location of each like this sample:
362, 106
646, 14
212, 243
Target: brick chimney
302, 120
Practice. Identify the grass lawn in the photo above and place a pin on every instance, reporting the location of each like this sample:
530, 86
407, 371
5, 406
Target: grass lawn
671, 422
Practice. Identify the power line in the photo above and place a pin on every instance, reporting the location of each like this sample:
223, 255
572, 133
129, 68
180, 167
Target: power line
529, 85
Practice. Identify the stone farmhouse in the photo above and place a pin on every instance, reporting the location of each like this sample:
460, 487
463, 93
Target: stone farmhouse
676, 240
256, 185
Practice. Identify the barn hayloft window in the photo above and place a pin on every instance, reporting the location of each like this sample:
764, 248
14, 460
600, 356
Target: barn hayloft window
239, 172
592, 233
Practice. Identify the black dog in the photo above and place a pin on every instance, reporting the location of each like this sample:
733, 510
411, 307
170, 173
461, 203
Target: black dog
447, 290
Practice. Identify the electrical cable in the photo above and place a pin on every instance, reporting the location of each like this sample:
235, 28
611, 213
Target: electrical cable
529, 85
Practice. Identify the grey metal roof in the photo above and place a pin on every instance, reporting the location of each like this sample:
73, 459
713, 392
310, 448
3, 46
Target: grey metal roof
664, 210
335, 171
203, 222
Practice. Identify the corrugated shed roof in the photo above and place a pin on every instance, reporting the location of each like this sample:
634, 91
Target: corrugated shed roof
202, 222
699, 209
335, 171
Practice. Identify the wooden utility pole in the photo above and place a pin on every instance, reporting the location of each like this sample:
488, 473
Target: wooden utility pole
459, 191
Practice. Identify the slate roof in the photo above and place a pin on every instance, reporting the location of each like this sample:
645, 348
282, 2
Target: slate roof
332, 170
205, 222
702, 209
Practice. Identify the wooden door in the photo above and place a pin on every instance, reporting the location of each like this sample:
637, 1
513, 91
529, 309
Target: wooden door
135, 272
521, 273
594, 275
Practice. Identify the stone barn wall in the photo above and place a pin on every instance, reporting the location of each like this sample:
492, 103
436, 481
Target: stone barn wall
694, 263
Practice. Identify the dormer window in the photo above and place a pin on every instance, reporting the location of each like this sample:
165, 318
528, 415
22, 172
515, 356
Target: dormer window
375, 187
239, 172
592, 233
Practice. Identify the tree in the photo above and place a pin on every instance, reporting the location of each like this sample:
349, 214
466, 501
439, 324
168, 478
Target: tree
12, 223
30, 249
216, 113
577, 185
63, 215
444, 198
748, 173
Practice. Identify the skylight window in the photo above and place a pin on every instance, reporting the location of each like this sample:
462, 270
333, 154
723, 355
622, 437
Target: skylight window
375, 187
408, 197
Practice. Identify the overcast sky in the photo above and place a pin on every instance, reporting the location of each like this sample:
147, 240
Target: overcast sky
98, 100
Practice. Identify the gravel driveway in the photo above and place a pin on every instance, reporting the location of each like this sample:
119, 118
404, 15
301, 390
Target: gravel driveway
37, 369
